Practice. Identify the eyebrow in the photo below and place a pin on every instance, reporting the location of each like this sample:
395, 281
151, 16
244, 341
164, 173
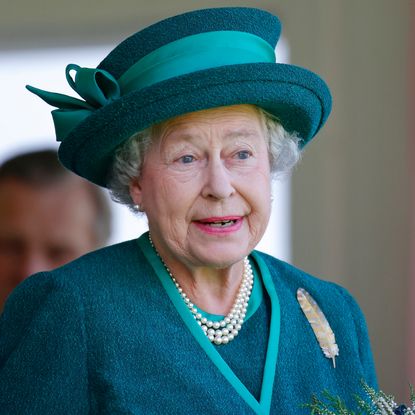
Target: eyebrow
231, 134
241, 133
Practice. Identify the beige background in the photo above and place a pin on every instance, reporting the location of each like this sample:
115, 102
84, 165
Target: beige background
352, 193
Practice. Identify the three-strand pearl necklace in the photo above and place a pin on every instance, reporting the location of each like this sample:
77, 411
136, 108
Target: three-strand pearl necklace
225, 330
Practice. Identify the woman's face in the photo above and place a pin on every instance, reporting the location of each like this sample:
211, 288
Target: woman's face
205, 186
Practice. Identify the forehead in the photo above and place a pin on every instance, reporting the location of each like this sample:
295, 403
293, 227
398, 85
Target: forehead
51, 208
236, 120
61, 190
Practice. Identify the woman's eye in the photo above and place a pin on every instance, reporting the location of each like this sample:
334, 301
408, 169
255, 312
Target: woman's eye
187, 159
243, 155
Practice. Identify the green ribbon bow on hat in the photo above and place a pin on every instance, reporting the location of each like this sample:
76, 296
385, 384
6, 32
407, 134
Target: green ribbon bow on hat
96, 86
183, 56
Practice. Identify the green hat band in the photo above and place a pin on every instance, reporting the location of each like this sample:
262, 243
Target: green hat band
186, 55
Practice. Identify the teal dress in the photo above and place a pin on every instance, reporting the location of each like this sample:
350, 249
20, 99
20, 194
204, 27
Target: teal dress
109, 334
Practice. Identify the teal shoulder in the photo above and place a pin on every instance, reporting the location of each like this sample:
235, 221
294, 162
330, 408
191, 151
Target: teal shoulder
93, 273
288, 279
293, 277
338, 305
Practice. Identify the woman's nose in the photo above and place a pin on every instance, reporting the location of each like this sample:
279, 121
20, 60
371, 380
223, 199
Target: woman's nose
218, 181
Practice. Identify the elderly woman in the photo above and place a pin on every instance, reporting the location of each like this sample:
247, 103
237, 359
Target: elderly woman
187, 121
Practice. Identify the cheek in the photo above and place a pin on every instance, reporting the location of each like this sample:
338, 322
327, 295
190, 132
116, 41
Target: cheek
259, 197
164, 198
261, 212
260, 187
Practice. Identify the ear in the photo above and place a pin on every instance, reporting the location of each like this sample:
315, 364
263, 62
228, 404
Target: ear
136, 192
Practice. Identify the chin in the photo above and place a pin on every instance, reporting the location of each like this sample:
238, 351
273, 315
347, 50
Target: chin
218, 256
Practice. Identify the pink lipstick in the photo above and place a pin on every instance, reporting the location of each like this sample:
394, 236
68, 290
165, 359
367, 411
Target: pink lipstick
220, 225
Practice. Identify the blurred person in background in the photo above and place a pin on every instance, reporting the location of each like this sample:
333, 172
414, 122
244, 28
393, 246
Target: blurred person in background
48, 217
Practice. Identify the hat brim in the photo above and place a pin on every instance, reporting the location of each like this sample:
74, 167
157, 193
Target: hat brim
297, 97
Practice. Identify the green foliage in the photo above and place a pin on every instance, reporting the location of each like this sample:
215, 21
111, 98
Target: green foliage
412, 394
372, 403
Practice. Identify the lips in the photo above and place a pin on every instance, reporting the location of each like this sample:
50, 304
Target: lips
222, 224
220, 220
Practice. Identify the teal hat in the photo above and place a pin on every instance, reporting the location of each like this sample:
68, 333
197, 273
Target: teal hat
191, 62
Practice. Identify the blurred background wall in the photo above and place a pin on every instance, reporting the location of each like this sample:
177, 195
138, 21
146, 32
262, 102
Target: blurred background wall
352, 207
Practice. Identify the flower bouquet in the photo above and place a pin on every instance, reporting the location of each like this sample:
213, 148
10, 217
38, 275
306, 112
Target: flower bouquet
378, 403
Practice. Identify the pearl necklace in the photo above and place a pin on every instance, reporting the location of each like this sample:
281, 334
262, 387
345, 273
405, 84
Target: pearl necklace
225, 330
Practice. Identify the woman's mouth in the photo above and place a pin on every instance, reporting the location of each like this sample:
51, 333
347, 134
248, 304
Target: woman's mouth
221, 224
217, 225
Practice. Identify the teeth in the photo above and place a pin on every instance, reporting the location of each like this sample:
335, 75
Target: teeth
222, 224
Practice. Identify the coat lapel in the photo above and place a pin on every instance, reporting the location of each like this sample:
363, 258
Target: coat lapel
262, 407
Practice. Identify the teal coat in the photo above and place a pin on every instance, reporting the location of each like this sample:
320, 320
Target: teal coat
103, 335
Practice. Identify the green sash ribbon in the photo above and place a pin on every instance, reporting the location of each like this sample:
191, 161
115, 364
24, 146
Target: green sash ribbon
190, 54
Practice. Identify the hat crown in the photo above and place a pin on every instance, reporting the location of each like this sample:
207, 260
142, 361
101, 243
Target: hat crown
255, 21
195, 61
